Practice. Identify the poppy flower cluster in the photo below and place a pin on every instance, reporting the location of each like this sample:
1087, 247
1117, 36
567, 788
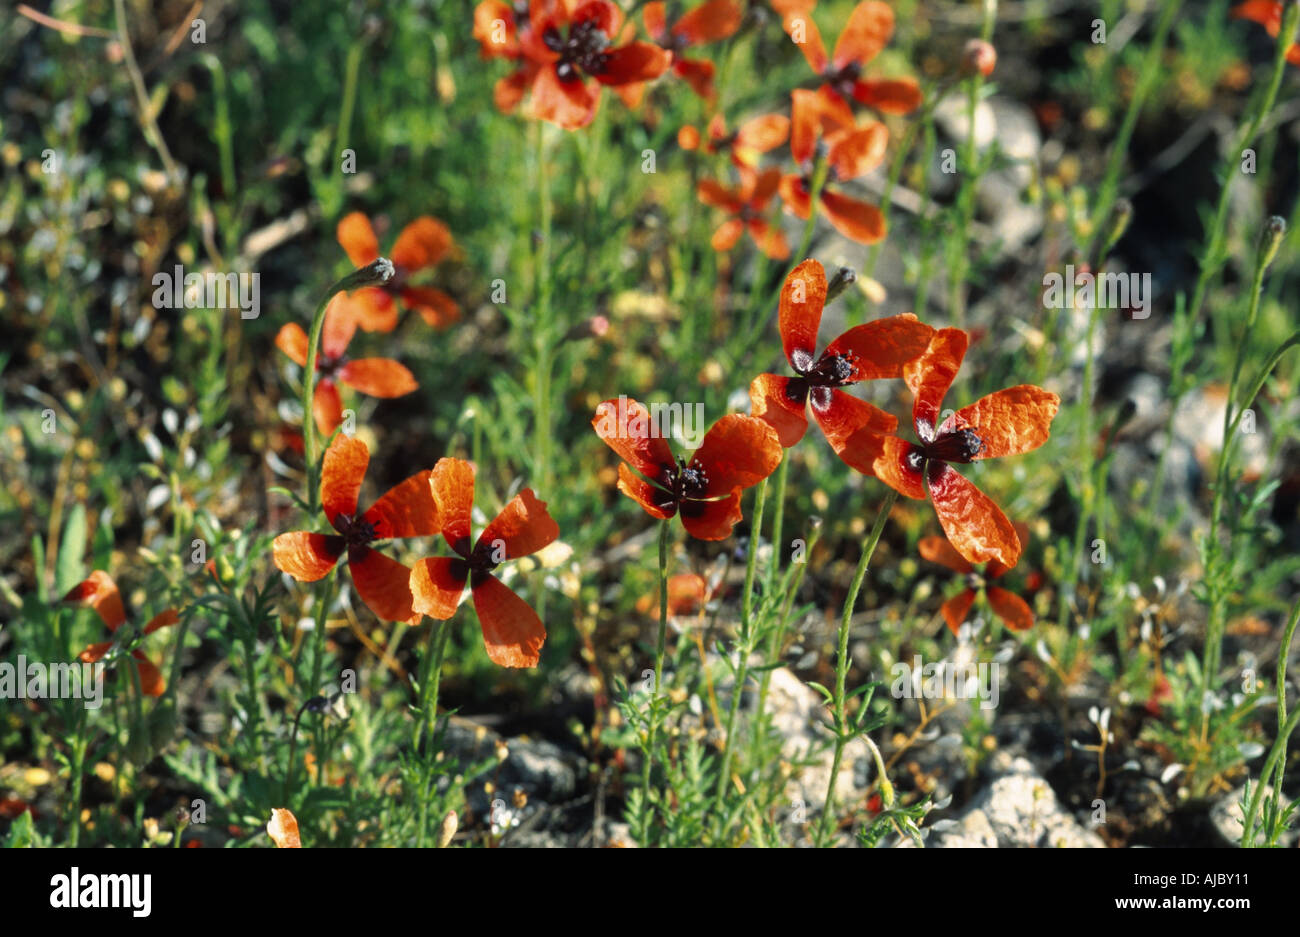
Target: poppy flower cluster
1011, 608
420, 246
100, 593
425, 504
739, 451
564, 53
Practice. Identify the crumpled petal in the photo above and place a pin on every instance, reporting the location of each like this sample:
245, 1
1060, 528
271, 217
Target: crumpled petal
305, 556
1008, 422
342, 471
803, 295
975, 526
930, 376
406, 510
738, 451
452, 485
773, 401
513, 635
626, 427
435, 586
524, 526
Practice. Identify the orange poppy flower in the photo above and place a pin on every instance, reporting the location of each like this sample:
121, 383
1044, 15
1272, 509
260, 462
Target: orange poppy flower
737, 453
853, 150
746, 204
512, 633
562, 46
867, 352
688, 594
870, 26
100, 593
406, 510
422, 244
750, 140
1267, 13
708, 22
1008, 606
1007, 422
378, 377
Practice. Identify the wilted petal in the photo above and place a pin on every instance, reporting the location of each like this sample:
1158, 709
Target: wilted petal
1008, 422
930, 376
975, 526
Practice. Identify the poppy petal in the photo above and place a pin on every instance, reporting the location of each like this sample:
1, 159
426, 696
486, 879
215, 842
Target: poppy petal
100, 593
769, 238
435, 587
292, 340
513, 635
995, 570
338, 328
939, 550
728, 233
383, 584
452, 485
785, 409
636, 61
95, 652
495, 41
889, 95
698, 73
570, 104
374, 309
357, 239
283, 829
710, 21
164, 619
656, 502
715, 194
802, 297
421, 244
763, 133
626, 427
378, 377
406, 510
326, 406
711, 520
655, 19
305, 556
509, 89
152, 682
435, 307
867, 32
862, 451
956, 609
974, 525
856, 152
930, 376
342, 470
883, 347
796, 197
738, 451
1011, 608
856, 220
840, 415
894, 468
524, 526
1008, 422
801, 29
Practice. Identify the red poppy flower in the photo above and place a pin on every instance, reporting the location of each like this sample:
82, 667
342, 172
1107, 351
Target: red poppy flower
708, 22
512, 633
737, 453
1267, 13
100, 593
1007, 422
746, 204
750, 140
855, 219
867, 352
422, 244
562, 47
853, 149
1008, 606
406, 510
870, 26
378, 377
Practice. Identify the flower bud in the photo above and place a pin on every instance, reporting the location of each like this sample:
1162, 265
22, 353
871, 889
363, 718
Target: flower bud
978, 56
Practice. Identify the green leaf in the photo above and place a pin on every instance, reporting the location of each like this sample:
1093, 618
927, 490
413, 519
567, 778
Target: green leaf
72, 547
22, 835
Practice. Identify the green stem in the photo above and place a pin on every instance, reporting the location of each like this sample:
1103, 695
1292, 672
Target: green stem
842, 662
661, 644
744, 648
430, 683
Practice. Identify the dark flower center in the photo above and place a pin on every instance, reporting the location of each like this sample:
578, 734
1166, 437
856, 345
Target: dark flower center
328, 365
842, 81
961, 445
833, 370
691, 481
582, 50
356, 531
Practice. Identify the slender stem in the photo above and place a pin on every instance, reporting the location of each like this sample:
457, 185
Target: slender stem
1274, 756
661, 643
744, 648
147, 118
429, 686
842, 661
